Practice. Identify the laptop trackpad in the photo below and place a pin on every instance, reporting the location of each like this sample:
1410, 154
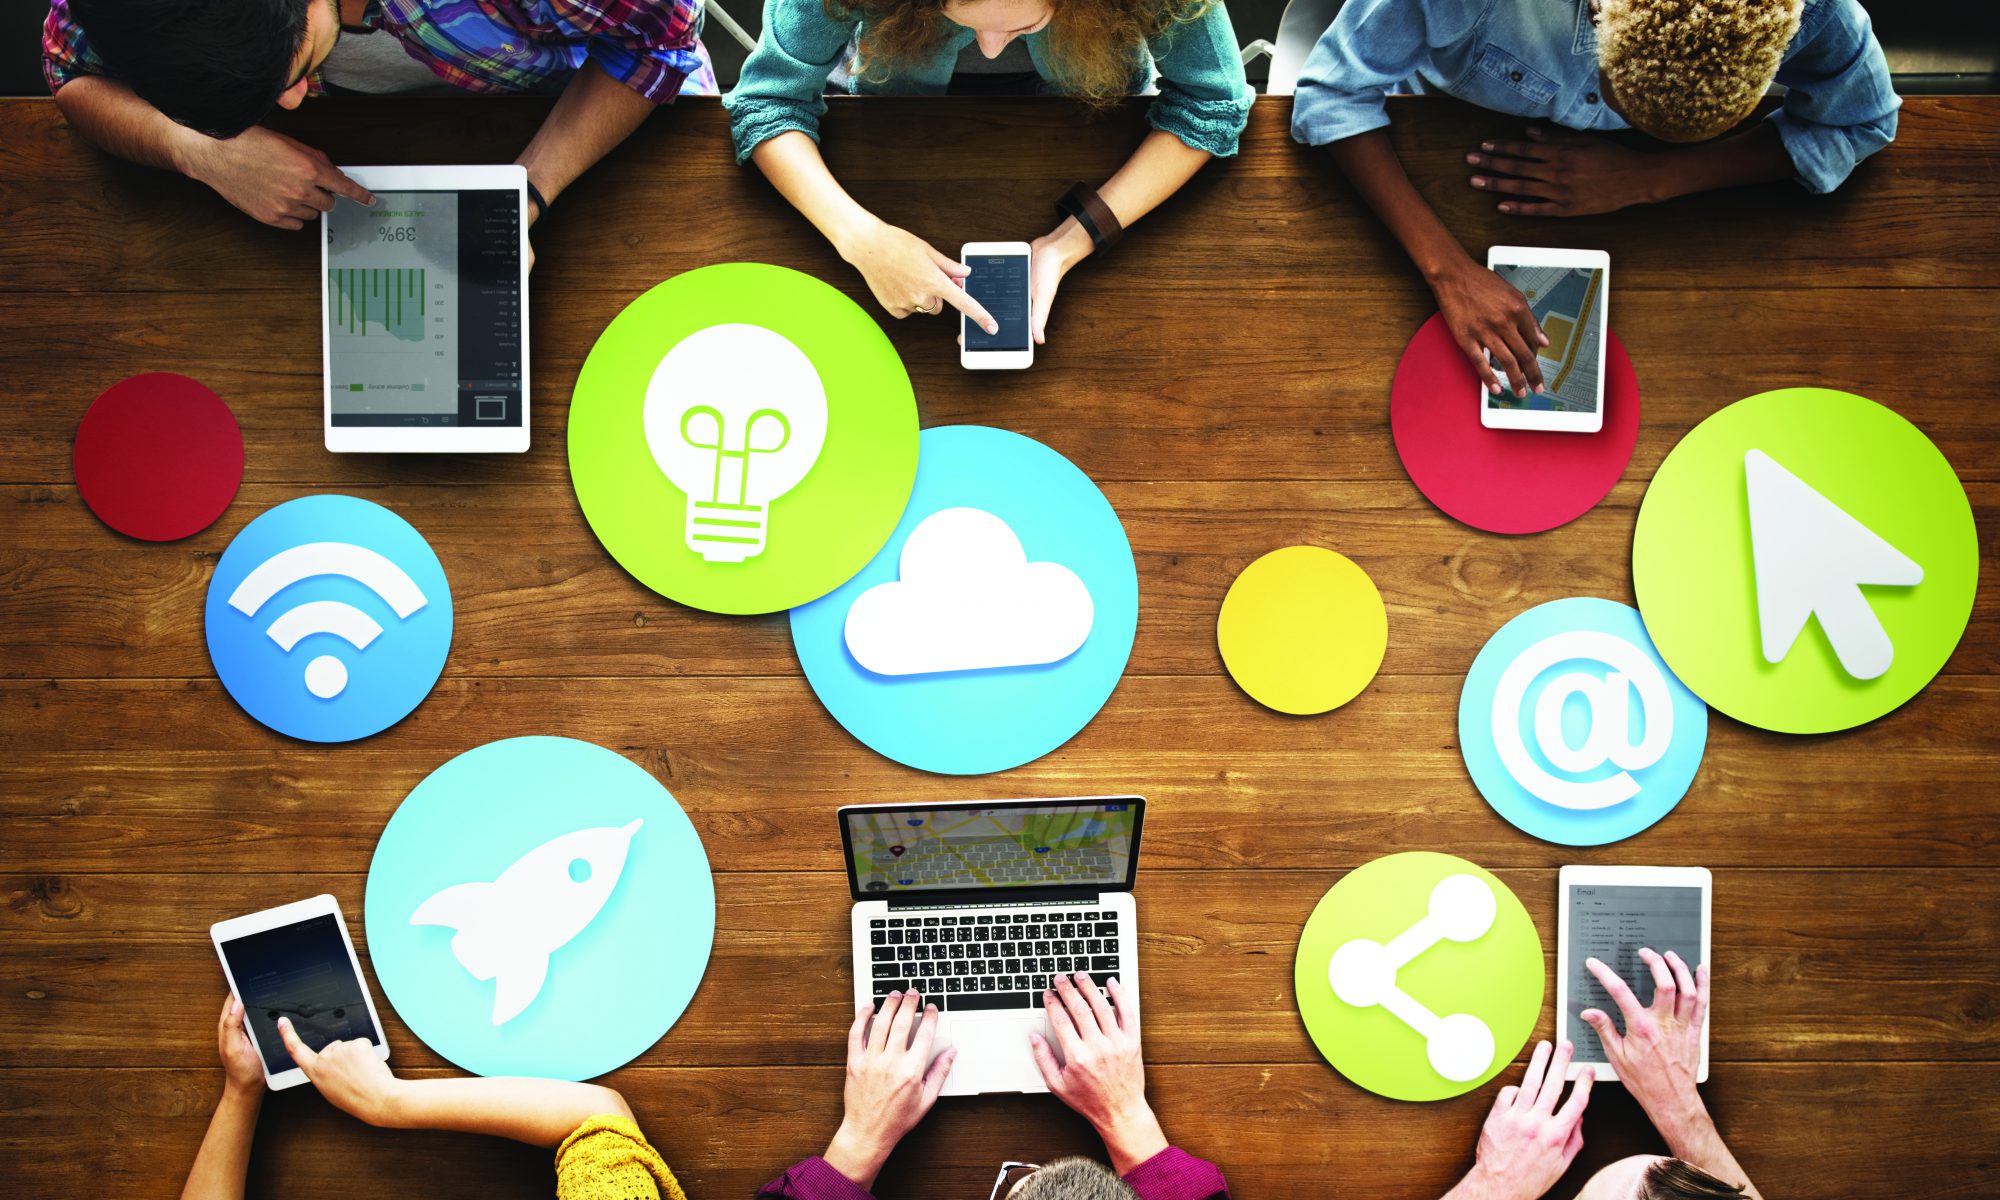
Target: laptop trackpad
993, 1053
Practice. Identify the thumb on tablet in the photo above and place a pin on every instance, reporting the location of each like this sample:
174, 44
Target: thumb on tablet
305, 1056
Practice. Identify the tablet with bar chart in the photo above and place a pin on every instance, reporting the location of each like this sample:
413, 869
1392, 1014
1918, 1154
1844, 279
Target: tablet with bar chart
425, 311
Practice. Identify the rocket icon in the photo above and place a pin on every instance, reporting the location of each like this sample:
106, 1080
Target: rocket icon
507, 929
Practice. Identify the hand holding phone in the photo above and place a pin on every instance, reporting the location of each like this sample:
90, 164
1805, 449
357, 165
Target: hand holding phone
999, 282
1567, 293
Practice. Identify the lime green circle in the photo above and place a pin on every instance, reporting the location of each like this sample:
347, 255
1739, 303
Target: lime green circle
1696, 583
1498, 977
820, 532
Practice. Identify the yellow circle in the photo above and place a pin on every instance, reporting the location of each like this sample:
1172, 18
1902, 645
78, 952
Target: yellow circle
1302, 630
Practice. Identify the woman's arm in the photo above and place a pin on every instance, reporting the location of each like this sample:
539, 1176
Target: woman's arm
1156, 170
540, 1112
1483, 312
224, 1158
906, 274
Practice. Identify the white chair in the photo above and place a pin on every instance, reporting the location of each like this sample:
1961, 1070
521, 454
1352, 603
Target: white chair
1299, 30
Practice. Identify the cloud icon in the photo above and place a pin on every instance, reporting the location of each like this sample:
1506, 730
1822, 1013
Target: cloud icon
968, 600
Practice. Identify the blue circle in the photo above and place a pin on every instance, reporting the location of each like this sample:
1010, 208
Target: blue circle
1655, 786
614, 986
380, 684
976, 721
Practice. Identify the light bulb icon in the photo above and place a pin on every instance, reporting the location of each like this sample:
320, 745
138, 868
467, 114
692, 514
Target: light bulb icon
735, 417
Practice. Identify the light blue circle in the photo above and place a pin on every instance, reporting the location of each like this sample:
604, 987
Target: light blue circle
975, 722
383, 682
1660, 785
614, 988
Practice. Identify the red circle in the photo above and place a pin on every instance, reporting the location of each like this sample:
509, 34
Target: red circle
1503, 480
158, 457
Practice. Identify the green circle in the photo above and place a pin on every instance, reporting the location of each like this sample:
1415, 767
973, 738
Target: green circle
823, 530
1498, 977
1696, 582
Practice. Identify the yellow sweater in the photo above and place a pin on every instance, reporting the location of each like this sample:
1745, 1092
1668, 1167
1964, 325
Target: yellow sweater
607, 1158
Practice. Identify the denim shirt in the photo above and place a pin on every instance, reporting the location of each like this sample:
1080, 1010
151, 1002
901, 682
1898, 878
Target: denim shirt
1538, 59
1203, 98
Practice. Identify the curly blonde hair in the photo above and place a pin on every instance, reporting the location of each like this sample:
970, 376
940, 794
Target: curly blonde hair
1091, 45
1687, 70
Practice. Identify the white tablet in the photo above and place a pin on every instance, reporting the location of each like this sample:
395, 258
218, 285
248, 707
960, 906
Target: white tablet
424, 311
1607, 913
1568, 291
297, 961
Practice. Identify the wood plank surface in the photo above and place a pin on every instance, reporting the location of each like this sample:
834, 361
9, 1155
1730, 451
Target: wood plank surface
1857, 1038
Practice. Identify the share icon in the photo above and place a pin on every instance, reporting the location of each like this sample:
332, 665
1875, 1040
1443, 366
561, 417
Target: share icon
1363, 974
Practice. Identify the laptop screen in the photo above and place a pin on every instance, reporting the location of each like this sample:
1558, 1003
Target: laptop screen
894, 849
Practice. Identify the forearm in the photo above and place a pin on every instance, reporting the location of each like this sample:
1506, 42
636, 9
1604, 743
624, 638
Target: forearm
1756, 155
224, 1158
1369, 161
1133, 1139
593, 114
792, 162
1156, 170
540, 1112
1691, 1136
112, 115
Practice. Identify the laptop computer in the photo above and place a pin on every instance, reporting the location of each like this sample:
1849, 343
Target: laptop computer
977, 905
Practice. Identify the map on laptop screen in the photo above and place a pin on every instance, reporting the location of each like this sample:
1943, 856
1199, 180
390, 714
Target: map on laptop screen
905, 849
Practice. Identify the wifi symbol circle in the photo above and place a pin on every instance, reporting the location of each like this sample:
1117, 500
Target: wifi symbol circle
346, 587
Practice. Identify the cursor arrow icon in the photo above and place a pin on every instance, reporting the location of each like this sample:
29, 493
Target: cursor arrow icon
1812, 559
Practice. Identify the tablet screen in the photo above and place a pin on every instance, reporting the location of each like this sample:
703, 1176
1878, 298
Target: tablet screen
1568, 303
301, 971
1609, 922
423, 309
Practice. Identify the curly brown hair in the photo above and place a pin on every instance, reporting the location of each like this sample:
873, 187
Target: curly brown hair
1091, 49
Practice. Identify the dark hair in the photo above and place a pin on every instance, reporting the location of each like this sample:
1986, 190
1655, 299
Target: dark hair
214, 67
1676, 1179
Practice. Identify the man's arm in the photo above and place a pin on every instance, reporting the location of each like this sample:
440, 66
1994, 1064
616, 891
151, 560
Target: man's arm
593, 114
273, 178
540, 1112
1657, 1055
1482, 311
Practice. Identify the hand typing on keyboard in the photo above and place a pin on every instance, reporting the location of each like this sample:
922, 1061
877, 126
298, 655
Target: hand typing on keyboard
888, 1089
1101, 1073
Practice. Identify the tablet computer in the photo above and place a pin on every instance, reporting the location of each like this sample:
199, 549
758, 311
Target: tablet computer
1568, 291
1607, 913
297, 961
424, 311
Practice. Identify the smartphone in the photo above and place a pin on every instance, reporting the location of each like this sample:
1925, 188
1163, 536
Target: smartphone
1569, 293
999, 281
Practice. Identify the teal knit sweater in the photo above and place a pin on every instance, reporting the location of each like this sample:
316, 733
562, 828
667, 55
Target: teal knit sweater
1202, 97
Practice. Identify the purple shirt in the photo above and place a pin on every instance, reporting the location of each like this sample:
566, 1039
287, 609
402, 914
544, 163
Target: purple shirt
1172, 1174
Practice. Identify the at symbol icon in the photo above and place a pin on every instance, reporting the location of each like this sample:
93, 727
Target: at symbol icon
1608, 735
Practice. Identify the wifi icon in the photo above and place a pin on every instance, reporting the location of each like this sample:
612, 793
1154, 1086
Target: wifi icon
356, 592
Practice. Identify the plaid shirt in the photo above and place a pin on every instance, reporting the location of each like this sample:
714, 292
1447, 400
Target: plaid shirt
651, 46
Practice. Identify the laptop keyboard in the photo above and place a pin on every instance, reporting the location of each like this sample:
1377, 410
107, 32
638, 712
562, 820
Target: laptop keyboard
988, 961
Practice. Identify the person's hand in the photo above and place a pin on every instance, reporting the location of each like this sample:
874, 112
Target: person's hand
275, 179
908, 275
1102, 1074
350, 1074
1559, 173
1527, 1142
242, 1068
1049, 259
1486, 314
1660, 1051
891, 1083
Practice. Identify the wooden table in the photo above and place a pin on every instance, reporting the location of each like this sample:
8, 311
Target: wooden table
1225, 377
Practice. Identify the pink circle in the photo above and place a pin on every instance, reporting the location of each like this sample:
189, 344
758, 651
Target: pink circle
158, 457
1503, 480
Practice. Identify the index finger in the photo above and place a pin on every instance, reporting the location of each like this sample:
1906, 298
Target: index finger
305, 1056
962, 300
857, 1033
334, 180
1628, 1004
